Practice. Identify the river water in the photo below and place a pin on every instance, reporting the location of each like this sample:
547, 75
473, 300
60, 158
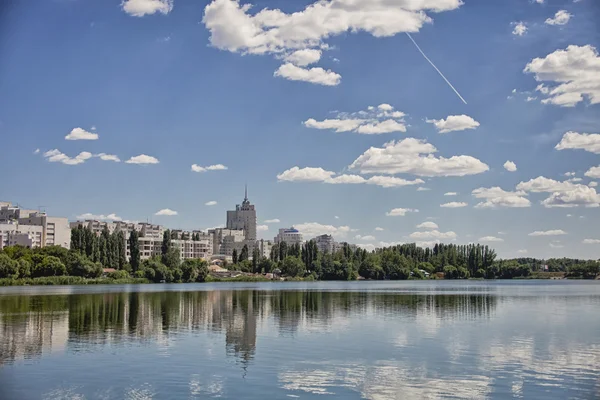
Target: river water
355, 340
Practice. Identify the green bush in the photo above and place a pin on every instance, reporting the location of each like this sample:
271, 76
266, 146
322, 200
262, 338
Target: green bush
121, 274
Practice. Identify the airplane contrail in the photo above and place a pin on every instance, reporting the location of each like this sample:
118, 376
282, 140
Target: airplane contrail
436, 68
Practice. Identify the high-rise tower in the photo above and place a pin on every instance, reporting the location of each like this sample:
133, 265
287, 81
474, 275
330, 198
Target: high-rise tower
243, 217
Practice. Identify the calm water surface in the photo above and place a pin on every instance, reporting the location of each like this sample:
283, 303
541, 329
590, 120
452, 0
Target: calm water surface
372, 340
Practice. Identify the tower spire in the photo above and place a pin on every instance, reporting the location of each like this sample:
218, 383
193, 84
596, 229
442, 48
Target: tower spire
246, 192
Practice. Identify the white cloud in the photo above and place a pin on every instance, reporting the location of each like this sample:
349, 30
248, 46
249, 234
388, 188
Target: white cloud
433, 234
99, 217
581, 195
56, 156
271, 31
108, 157
497, 197
93, 128
510, 166
561, 17
139, 8
540, 1
427, 225
304, 57
377, 128
210, 203
522, 251
312, 229
570, 173
400, 212
582, 141
345, 179
593, 172
593, 184
215, 167
307, 174
272, 221
575, 72
530, 98
339, 125
519, 29
371, 121
142, 159
81, 134
166, 212
552, 232
379, 229
543, 184
591, 241
368, 238
36, 151
556, 246
574, 180
316, 75
391, 181
407, 156
454, 123
262, 228
490, 239
450, 194
454, 204
336, 217
423, 189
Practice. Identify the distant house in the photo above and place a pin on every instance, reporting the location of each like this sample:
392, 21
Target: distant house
106, 271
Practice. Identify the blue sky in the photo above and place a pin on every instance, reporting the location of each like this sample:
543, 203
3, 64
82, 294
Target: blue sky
216, 83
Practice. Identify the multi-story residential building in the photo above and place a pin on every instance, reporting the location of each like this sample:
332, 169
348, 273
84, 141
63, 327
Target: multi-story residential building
264, 247
326, 244
243, 218
32, 228
220, 235
290, 236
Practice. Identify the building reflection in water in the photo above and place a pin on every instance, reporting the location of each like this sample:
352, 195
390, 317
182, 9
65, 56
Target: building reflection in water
34, 325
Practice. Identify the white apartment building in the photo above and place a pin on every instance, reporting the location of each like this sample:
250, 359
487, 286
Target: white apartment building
55, 231
290, 236
222, 235
326, 244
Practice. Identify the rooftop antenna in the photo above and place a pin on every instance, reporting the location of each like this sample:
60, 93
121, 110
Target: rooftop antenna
246, 192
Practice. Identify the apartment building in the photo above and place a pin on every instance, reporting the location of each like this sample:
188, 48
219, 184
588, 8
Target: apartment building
32, 228
290, 236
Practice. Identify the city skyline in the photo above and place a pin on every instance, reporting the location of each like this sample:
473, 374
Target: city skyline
426, 126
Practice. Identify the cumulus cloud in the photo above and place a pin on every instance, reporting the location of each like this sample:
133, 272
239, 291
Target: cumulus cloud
379, 229
552, 232
368, 238
272, 221
575, 73
234, 28
510, 166
99, 217
423, 189
561, 17
57, 156
312, 229
433, 234
522, 251
310, 174
519, 28
108, 157
262, 228
81, 134
303, 57
450, 194
427, 225
490, 239
142, 159
139, 8
215, 167
316, 75
581, 195
454, 123
414, 156
36, 151
591, 241
556, 246
166, 212
454, 204
400, 212
582, 141
543, 184
210, 203
372, 121
595, 170
496, 197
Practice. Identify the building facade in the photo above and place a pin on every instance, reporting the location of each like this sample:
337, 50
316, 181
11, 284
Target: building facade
290, 236
326, 244
32, 228
243, 218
